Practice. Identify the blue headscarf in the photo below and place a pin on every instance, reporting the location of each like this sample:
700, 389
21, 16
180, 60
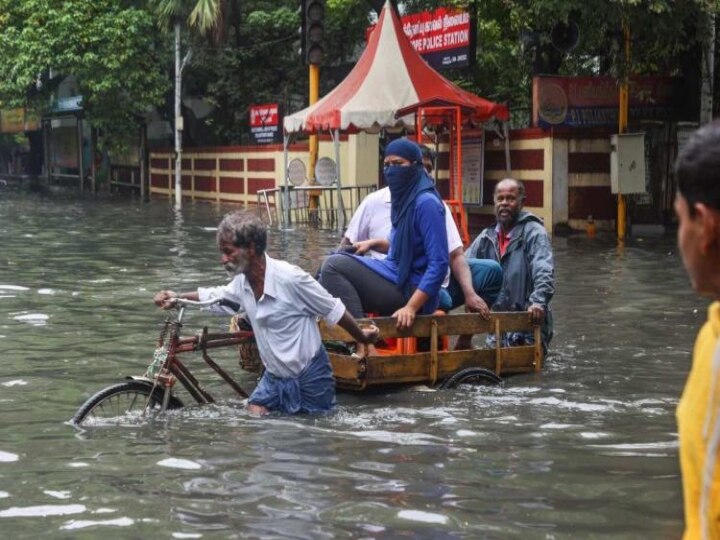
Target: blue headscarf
406, 184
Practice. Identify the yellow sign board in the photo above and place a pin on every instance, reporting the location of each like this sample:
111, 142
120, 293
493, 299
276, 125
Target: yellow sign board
18, 121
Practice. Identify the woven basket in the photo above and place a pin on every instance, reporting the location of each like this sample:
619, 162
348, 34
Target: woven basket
249, 353
250, 356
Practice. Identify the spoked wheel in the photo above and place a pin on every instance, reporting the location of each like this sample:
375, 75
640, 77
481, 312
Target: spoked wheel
123, 399
473, 375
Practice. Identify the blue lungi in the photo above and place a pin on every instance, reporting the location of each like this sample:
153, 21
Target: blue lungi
312, 391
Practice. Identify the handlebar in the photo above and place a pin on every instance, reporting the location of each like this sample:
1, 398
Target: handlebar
184, 302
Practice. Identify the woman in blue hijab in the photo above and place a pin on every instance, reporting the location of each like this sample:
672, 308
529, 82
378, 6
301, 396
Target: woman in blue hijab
408, 281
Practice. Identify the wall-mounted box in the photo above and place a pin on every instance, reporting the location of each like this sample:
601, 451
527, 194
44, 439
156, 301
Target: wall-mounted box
627, 163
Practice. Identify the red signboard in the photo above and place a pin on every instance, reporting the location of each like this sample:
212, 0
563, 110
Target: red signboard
442, 36
594, 101
265, 123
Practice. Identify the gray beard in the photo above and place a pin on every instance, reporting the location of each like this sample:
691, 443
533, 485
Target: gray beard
233, 270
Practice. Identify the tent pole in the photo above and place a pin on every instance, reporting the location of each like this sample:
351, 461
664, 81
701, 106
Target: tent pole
285, 214
341, 205
506, 133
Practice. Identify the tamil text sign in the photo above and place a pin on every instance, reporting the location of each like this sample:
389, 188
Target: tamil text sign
442, 36
594, 101
265, 123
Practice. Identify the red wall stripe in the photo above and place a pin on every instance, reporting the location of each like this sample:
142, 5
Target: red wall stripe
255, 184
204, 183
204, 164
533, 160
597, 201
158, 180
261, 165
232, 165
589, 162
232, 185
477, 222
159, 163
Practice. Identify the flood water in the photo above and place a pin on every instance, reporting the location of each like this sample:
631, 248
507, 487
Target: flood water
585, 449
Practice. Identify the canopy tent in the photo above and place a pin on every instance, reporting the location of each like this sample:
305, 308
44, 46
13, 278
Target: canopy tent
389, 86
389, 81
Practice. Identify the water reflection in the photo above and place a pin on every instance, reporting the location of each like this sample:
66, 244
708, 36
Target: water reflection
587, 447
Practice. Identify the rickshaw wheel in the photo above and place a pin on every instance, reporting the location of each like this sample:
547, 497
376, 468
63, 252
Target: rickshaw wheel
472, 375
122, 399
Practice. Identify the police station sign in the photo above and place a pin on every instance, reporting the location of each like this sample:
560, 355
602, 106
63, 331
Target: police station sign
443, 37
265, 123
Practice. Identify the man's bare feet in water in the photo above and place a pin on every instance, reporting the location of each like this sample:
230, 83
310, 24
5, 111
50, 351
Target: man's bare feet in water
257, 410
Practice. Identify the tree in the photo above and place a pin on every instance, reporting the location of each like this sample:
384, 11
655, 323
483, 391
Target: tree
259, 62
107, 46
206, 16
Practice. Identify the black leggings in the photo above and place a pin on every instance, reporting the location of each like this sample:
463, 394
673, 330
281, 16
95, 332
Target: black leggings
361, 289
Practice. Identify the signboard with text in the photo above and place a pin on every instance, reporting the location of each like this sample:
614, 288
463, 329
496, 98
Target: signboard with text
472, 170
442, 37
594, 101
18, 121
265, 123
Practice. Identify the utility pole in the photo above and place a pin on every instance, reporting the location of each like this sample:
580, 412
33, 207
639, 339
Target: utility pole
313, 143
313, 30
622, 125
178, 119
707, 70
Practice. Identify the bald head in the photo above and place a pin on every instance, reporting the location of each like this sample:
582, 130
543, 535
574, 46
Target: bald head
508, 197
511, 182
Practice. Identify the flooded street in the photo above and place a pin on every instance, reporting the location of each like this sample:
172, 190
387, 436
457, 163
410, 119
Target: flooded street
585, 449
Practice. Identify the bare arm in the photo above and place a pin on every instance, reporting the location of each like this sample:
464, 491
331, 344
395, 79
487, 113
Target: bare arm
361, 335
381, 245
461, 273
164, 299
406, 314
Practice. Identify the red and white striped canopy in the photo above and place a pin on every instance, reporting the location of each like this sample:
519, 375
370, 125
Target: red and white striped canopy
389, 80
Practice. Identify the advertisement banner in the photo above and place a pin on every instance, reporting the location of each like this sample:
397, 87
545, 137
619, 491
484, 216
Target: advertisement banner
265, 123
594, 101
442, 37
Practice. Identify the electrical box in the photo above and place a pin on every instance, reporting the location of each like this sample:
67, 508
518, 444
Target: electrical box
627, 163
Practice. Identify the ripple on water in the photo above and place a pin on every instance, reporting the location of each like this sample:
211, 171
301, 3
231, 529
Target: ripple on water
7, 457
83, 524
43, 510
423, 517
175, 463
36, 319
46, 291
15, 382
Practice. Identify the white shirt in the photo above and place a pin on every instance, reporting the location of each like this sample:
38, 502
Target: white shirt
372, 220
284, 320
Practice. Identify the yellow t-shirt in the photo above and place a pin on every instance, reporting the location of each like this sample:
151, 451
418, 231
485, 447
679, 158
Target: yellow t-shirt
696, 432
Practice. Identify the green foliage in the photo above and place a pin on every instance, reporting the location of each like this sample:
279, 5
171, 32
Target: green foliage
108, 48
259, 62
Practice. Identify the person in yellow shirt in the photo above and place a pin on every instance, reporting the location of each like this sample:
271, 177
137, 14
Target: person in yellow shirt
697, 204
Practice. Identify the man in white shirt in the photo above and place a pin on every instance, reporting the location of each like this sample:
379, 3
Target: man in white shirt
475, 282
282, 303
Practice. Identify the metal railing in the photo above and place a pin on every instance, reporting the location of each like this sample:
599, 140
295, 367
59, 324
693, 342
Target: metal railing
293, 205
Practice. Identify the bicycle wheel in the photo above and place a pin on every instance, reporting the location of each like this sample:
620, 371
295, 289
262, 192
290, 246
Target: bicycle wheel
122, 399
473, 375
